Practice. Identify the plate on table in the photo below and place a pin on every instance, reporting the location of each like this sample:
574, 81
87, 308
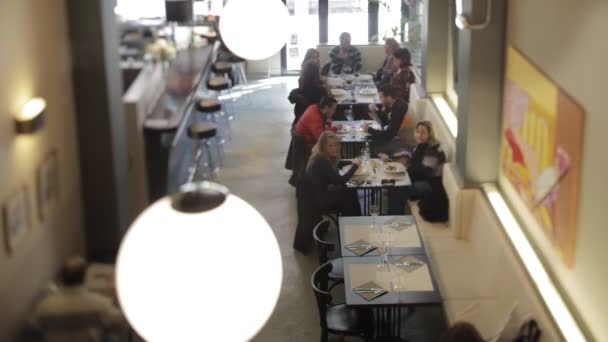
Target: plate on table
335, 81
394, 167
338, 92
365, 77
362, 171
368, 92
344, 130
349, 77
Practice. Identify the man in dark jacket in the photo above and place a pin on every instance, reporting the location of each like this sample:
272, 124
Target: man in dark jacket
391, 119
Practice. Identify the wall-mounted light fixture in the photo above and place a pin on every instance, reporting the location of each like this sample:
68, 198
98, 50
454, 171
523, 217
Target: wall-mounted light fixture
569, 328
31, 116
448, 115
462, 21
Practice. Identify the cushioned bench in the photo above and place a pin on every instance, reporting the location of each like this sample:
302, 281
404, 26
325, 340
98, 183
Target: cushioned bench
478, 271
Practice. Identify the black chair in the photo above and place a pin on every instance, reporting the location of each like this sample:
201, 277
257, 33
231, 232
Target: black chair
321, 236
338, 319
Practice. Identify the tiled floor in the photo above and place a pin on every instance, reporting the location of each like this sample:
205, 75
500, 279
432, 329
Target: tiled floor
253, 169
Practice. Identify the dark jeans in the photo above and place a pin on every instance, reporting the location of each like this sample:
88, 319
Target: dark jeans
398, 197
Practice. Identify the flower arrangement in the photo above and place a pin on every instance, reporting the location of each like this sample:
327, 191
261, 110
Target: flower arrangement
162, 49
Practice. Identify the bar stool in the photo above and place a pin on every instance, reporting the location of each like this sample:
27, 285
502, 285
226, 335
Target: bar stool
239, 69
222, 86
203, 166
222, 68
211, 37
212, 108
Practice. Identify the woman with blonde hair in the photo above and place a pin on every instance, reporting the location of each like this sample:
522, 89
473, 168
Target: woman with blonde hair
327, 184
323, 189
427, 159
424, 166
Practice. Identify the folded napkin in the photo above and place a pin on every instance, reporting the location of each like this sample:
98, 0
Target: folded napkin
360, 247
369, 290
398, 223
408, 263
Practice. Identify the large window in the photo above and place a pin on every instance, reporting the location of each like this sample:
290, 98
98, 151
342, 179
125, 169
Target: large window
413, 14
138, 9
390, 24
348, 16
304, 32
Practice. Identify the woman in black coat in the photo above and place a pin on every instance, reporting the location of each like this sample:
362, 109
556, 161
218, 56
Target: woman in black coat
323, 189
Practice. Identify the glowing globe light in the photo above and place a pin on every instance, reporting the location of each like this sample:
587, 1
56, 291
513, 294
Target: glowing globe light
201, 265
254, 29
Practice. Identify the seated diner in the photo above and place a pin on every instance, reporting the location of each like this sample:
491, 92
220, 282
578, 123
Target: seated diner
317, 119
344, 58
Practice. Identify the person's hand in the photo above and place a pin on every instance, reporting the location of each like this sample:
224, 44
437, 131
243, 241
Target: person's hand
338, 126
405, 160
356, 162
365, 127
372, 108
384, 157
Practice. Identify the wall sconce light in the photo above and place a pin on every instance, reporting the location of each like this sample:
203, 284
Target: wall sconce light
462, 21
31, 117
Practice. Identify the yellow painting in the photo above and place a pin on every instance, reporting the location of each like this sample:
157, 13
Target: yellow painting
541, 147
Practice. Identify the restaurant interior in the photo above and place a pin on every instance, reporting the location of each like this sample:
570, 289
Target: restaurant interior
303, 170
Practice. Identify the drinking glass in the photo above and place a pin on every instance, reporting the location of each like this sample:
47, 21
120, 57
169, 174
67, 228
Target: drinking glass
374, 210
346, 69
331, 70
349, 83
349, 115
383, 251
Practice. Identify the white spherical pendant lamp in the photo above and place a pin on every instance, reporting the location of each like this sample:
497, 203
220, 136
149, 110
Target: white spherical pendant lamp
254, 29
201, 265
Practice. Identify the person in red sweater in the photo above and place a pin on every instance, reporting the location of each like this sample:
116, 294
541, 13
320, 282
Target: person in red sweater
316, 120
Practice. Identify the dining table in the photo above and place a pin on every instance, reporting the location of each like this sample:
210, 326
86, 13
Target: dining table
352, 136
357, 237
404, 280
353, 92
375, 176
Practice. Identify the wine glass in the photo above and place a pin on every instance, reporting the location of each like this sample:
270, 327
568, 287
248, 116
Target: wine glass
349, 83
331, 72
349, 115
374, 209
380, 239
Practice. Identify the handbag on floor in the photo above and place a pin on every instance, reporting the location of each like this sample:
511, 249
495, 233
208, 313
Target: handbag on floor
529, 332
433, 204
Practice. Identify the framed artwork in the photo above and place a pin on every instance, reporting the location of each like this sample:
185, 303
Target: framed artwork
541, 150
15, 218
294, 52
47, 181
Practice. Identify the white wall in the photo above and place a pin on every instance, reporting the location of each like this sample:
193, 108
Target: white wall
36, 62
266, 67
567, 41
